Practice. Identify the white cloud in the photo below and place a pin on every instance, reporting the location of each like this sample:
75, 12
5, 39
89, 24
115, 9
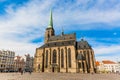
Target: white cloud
27, 22
20, 48
104, 52
107, 49
22, 25
112, 58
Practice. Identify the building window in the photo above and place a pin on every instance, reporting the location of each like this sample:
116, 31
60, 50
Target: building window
92, 56
47, 35
62, 58
69, 57
54, 56
88, 59
46, 59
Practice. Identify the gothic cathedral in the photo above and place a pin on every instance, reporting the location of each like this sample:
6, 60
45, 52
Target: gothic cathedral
62, 53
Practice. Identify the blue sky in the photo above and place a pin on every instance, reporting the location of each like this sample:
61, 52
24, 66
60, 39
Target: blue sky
23, 22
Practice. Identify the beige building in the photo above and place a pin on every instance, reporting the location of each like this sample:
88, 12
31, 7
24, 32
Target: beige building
6, 60
62, 53
28, 63
19, 63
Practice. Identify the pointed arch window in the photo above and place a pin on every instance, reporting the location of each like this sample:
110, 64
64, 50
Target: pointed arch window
88, 59
69, 57
84, 52
54, 56
46, 59
92, 57
62, 58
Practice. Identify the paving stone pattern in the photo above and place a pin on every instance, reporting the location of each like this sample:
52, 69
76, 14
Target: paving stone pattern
58, 76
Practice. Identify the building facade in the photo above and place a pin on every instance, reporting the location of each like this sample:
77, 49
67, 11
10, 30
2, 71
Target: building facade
6, 60
62, 53
118, 66
28, 63
100, 67
107, 66
19, 63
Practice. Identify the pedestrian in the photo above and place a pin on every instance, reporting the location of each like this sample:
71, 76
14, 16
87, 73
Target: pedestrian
30, 72
92, 73
21, 72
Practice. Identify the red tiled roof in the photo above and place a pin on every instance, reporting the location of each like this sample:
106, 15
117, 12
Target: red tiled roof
97, 63
108, 62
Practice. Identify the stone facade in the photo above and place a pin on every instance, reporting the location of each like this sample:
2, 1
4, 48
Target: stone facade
28, 63
19, 63
62, 53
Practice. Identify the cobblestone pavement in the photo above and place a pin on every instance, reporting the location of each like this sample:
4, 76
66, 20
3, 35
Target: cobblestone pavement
58, 76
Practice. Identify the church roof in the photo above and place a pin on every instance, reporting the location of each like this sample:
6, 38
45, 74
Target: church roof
55, 44
83, 44
79, 45
97, 63
108, 62
63, 37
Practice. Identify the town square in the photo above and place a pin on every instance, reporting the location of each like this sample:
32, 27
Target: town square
58, 76
59, 39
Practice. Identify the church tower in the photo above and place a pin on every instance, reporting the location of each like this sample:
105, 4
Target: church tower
49, 30
63, 53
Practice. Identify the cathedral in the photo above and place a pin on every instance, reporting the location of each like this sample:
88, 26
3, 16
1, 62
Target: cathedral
63, 53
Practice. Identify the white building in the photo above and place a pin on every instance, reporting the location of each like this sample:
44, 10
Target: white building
6, 60
119, 67
100, 66
107, 66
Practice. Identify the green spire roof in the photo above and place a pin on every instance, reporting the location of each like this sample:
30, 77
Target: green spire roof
51, 20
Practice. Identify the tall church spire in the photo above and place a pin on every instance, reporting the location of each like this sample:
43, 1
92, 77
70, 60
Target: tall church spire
51, 20
49, 30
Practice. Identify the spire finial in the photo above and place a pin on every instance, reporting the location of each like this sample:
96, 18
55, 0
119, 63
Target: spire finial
62, 31
51, 20
82, 37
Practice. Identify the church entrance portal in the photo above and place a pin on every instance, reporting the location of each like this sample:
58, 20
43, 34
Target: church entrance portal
54, 68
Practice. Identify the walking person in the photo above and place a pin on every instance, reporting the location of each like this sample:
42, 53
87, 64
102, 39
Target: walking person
21, 72
30, 72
